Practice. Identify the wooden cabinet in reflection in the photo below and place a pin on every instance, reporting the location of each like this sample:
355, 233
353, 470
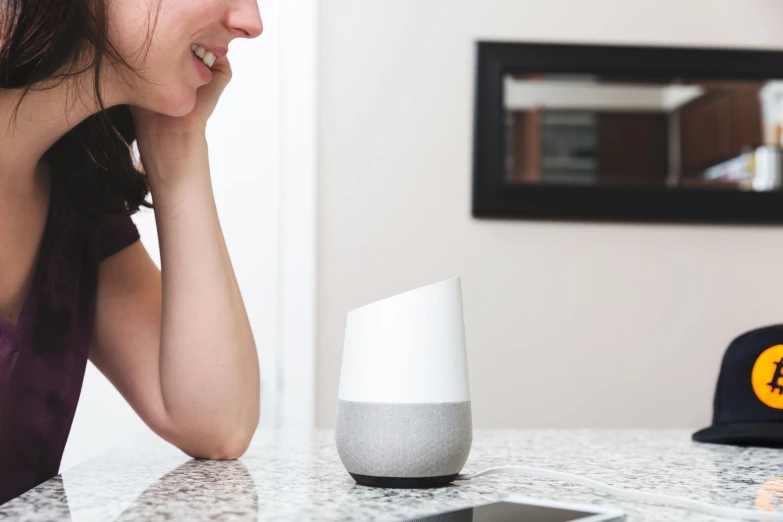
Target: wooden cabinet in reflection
625, 147
637, 147
719, 126
632, 148
525, 143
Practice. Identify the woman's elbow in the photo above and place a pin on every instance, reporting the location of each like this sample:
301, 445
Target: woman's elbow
230, 449
227, 444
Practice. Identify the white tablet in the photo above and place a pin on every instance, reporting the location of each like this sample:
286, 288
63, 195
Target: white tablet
520, 509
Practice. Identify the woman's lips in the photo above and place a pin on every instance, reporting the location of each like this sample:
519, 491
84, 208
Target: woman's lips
203, 71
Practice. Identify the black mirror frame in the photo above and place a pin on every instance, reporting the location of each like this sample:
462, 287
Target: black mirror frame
493, 197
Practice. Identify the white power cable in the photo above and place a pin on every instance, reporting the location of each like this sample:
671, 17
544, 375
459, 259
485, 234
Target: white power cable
632, 494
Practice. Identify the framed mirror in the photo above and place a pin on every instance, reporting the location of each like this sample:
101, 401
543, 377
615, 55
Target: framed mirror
574, 132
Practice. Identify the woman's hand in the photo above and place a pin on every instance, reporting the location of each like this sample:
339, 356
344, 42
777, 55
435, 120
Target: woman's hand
163, 138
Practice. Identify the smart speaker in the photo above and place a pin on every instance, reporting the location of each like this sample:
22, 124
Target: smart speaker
403, 409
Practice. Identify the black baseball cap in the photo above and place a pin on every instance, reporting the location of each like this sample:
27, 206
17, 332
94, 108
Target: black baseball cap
748, 405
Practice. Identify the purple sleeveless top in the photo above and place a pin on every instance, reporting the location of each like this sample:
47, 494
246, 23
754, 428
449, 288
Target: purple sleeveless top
43, 356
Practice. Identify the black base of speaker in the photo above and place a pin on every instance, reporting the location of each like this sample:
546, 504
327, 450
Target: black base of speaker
403, 482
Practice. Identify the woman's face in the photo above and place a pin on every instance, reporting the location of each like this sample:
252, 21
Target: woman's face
172, 73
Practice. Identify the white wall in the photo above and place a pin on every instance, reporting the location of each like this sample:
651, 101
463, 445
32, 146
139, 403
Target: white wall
567, 324
244, 161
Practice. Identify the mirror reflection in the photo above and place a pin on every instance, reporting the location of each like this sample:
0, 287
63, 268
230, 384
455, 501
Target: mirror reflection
680, 133
198, 489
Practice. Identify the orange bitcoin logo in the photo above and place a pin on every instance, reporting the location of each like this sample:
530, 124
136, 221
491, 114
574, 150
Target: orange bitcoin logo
767, 377
769, 497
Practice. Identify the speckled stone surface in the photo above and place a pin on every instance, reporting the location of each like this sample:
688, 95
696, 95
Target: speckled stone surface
285, 477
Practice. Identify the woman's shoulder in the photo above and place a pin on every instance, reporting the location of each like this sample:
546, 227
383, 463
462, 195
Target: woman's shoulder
105, 235
116, 235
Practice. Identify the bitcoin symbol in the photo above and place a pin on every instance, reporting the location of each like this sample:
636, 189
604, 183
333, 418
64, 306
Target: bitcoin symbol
767, 377
774, 384
769, 495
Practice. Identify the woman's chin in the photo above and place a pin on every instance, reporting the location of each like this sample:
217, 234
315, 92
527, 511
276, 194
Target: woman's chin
177, 103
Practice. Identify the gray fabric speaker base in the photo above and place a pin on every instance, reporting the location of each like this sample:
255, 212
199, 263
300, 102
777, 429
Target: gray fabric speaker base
392, 441
403, 482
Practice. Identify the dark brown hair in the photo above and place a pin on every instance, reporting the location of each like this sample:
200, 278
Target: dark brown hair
46, 42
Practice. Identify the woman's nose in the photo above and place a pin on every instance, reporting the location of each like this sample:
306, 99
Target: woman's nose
244, 20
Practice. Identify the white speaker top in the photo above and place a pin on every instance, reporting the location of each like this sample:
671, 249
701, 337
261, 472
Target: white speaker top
409, 348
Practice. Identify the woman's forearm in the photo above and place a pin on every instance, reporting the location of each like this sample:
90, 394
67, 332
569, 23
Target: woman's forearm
208, 361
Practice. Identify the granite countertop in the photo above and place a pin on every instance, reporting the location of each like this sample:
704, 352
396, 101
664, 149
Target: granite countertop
286, 477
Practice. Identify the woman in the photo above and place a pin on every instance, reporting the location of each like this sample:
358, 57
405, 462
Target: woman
80, 80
